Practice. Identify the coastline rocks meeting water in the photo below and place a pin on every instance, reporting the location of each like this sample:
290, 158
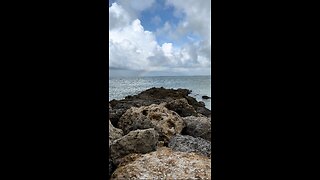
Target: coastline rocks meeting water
159, 134
154, 96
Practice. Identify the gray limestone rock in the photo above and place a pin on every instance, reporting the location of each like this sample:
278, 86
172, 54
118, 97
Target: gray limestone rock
187, 143
198, 127
138, 141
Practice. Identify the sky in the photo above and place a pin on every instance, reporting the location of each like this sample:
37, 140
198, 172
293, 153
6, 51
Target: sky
159, 37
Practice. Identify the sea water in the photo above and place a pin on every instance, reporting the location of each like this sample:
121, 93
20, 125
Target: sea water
120, 87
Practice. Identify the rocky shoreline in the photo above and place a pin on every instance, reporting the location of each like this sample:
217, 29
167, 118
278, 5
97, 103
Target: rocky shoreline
159, 134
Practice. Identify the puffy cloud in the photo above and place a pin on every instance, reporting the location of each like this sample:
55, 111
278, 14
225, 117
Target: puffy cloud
118, 17
197, 20
197, 16
130, 46
135, 7
133, 48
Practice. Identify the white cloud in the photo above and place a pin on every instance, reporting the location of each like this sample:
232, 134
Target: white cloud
135, 7
197, 15
131, 47
118, 17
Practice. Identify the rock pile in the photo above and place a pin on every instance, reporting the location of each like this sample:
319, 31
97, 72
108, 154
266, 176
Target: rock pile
159, 134
166, 164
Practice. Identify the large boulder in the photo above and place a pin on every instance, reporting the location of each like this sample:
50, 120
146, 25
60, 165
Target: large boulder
167, 123
185, 143
166, 164
181, 107
138, 141
198, 127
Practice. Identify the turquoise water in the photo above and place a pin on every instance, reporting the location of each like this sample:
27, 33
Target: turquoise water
120, 87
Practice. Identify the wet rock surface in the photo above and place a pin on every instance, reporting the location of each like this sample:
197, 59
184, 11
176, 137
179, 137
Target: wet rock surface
198, 127
166, 164
159, 134
167, 123
185, 143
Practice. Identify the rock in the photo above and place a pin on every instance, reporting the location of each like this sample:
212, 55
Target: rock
206, 97
185, 143
204, 111
138, 141
181, 107
198, 127
152, 96
128, 158
198, 106
167, 123
202, 103
166, 164
114, 133
111, 167
116, 111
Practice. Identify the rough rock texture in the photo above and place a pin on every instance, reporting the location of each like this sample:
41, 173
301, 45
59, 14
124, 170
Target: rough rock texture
114, 133
111, 167
204, 111
128, 158
166, 164
153, 96
198, 127
190, 144
138, 141
181, 107
167, 123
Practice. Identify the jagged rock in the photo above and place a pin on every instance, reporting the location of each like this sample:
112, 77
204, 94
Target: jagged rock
116, 112
138, 141
181, 107
111, 167
202, 103
166, 164
153, 96
185, 143
198, 127
204, 111
167, 123
205, 97
114, 133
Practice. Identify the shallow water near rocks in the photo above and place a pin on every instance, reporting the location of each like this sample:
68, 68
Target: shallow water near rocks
120, 87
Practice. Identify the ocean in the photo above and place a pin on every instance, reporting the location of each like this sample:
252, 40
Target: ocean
120, 87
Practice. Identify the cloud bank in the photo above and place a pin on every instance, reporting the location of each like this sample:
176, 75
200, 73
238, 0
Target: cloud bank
132, 47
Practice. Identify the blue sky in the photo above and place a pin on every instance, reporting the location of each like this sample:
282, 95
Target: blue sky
163, 37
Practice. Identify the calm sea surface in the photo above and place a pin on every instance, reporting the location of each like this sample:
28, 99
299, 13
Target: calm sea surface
120, 87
